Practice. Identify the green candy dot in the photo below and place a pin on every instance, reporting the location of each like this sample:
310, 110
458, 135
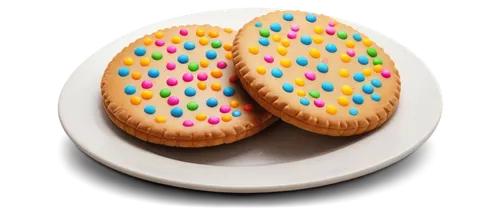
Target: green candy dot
264, 32
377, 61
192, 105
193, 66
314, 93
165, 92
371, 52
216, 44
157, 55
342, 34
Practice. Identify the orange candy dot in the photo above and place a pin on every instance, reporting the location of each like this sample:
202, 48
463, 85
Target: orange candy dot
148, 41
202, 85
204, 63
229, 56
234, 104
228, 30
136, 75
350, 44
215, 86
228, 46
216, 73
159, 34
203, 41
135, 100
144, 61
147, 94
213, 34
377, 68
200, 32
128, 61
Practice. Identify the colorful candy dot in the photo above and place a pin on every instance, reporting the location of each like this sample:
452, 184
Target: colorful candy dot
136, 75
254, 50
225, 109
160, 42
331, 48
190, 91
193, 66
213, 34
264, 41
310, 75
140, 51
350, 52
376, 82
228, 30
216, 43
376, 97
228, 91
377, 61
358, 99
176, 40
371, 52
359, 77
314, 53
363, 60
211, 54
317, 39
282, 50
149, 109
248, 107
236, 113
261, 70
221, 64
299, 81
295, 27
201, 85
165, 92
301, 93
345, 58
160, 119
306, 40
310, 18
188, 123
385, 73
148, 41
183, 59
129, 89
319, 103
147, 84
183, 32
342, 35
276, 27
200, 32
187, 77
201, 117
330, 31
318, 29
367, 72
212, 102
347, 90
170, 66
314, 93
331, 109
189, 46
286, 62
291, 35
123, 71
327, 86
176, 112
172, 81
215, 86
144, 61
228, 46
276, 37
343, 101
302, 61
192, 105
377, 68
173, 100
288, 17
157, 55
147, 94
367, 88
350, 44
135, 100
233, 79
203, 41
213, 120
258, 24
226, 118
234, 103
353, 111
264, 32
128, 61
367, 42
276, 72
269, 58
285, 42
322, 67
304, 101
287, 87
159, 34
343, 72
202, 76
204, 63
356, 37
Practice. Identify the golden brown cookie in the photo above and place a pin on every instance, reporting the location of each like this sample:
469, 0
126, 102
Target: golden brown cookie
316, 73
177, 87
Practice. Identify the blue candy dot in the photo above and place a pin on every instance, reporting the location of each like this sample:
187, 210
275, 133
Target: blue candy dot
153, 73
363, 60
310, 18
304, 101
140, 51
367, 88
327, 86
306, 40
276, 27
356, 37
288, 17
183, 59
359, 77
258, 24
211, 54
264, 41
189, 46
322, 67
176, 112
150, 109
190, 91
228, 91
376, 97
212, 102
377, 83
129, 89
353, 111
124, 71
331, 48
358, 99
276, 72
302, 61
287, 87
236, 113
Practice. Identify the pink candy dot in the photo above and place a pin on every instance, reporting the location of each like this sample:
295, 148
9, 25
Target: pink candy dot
171, 49
147, 84
173, 100
221, 64
319, 103
385, 73
159, 42
172, 81
295, 27
183, 32
188, 123
187, 77
269, 58
292, 35
213, 120
225, 109
331, 23
330, 30
310, 75
350, 52
170, 66
202, 76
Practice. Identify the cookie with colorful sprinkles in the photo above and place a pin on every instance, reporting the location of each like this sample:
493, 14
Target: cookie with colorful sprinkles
178, 87
316, 73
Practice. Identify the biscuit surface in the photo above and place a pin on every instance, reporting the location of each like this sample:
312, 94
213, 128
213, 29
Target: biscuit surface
316, 73
178, 87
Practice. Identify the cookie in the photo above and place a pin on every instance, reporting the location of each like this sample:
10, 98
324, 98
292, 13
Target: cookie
316, 73
178, 87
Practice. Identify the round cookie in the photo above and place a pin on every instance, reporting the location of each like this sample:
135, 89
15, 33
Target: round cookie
316, 73
177, 87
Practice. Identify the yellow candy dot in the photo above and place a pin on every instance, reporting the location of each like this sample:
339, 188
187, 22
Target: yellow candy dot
176, 40
254, 50
367, 72
347, 90
234, 104
299, 81
343, 101
345, 58
226, 118
204, 63
350, 44
135, 100
128, 61
203, 41
200, 32
377, 68
159, 34
213, 34
228, 46
331, 109
144, 61
314, 53
343, 72
276, 37
201, 117
228, 30
286, 62
215, 86
147, 94
367, 42
318, 30
148, 41
160, 119
285, 42
229, 56
301, 93
282, 50
317, 39
216, 73
136, 75
261, 69
202, 85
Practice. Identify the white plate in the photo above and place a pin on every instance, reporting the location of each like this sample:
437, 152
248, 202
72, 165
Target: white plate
280, 158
